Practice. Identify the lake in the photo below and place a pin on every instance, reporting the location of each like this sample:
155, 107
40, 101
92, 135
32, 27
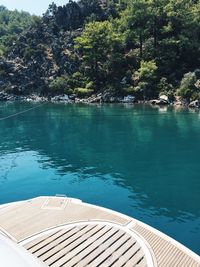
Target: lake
139, 160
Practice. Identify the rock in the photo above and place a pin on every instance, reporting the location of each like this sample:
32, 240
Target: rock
158, 102
128, 99
79, 100
164, 97
113, 99
106, 97
3, 96
61, 98
163, 102
194, 104
72, 97
154, 102
94, 99
64, 98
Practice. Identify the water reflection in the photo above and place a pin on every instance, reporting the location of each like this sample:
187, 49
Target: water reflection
139, 160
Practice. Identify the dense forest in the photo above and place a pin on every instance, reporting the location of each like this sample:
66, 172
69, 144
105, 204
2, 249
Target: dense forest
143, 48
12, 23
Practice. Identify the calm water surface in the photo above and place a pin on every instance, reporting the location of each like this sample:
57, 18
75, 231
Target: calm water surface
138, 160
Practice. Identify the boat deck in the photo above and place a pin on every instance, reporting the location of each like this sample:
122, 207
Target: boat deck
62, 231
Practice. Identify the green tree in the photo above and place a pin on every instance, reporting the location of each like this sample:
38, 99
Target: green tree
145, 78
58, 85
12, 23
136, 20
100, 47
189, 86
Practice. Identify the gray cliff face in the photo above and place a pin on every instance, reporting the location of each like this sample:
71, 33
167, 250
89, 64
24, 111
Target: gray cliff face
26, 70
45, 51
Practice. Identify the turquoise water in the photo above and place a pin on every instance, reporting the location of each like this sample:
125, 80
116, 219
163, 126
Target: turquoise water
138, 160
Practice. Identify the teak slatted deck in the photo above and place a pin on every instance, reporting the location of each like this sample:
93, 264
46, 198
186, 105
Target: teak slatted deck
66, 232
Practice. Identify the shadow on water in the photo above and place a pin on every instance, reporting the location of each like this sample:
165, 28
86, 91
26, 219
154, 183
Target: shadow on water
139, 160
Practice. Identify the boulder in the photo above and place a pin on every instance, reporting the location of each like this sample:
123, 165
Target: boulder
64, 98
128, 99
154, 101
94, 99
61, 98
72, 97
3, 96
194, 104
158, 102
108, 97
164, 97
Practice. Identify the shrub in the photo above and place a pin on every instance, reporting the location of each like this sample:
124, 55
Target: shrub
68, 91
130, 90
59, 85
145, 78
187, 86
77, 80
195, 96
83, 92
165, 88
89, 85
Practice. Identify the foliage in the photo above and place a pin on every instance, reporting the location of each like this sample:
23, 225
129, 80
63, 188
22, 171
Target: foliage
142, 47
165, 88
12, 23
68, 84
100, 47
188, 89
145, 78
58, 85
76, 80
83, 92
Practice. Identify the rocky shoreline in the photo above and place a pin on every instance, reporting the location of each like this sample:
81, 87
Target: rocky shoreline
99, 98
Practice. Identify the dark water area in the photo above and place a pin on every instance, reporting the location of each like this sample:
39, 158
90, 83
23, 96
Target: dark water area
139, 160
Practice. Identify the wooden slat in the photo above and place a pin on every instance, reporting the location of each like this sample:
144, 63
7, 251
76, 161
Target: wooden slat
118, 252
50, 242
105, 233
94, 252
68, 259
38, 240
104, 246
93, 248
68, 250
142, 263
63, 241
127, 255
166, 253
110, 248
135, 259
